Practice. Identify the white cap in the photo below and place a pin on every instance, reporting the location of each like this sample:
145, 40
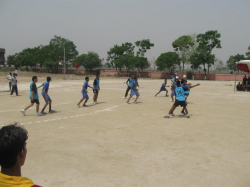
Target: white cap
176, 77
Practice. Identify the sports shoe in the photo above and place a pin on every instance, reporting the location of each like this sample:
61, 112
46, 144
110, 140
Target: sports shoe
38, 114
43, 113
135, 101
172, 114
188, 116
78, 105
183, 112
84, 105
167, 116
52, 111
94, 103
124, 97
23, 111
128, 102
171, 100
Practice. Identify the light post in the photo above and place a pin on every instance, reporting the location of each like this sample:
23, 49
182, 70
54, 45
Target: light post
64, 60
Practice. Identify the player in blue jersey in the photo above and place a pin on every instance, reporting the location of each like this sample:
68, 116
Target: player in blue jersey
85, 92
134, 90
96, 88
173, 88
46, 96
129, 85
163, 88
174, 78
179, 101
34, 98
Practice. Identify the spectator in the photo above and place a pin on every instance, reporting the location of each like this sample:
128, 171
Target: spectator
240, 87
9, 77
14, 84
244, 80
13, 153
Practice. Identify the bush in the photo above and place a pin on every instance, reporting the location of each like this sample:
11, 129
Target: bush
5, 69
189, 75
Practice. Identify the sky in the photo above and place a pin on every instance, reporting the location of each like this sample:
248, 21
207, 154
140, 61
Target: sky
97, 25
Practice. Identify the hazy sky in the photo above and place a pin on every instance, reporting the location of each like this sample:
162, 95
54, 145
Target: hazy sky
97, 25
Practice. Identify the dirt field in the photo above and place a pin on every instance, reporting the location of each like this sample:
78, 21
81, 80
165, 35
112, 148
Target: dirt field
113, 144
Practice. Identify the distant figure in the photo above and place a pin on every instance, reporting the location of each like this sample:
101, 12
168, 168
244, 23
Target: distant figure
163, 88
9, 77
239, 87
84, 92
13, 152
129, 85
134, 90
96, 88
14, 84
244, 80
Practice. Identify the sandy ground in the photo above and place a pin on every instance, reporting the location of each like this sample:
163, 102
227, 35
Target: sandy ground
115, 144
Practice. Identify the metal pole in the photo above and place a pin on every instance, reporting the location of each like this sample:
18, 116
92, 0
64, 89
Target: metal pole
64, 62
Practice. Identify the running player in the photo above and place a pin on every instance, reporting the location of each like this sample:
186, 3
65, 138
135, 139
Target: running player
33, 97
180, 100
134, 90
85, 92
45, 95
163, 88
129, 85
96, 88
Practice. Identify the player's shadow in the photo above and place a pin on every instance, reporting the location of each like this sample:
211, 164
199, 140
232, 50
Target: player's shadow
138, 102
100, 103
55, 112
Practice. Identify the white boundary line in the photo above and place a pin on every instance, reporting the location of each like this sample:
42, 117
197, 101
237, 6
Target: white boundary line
80, 115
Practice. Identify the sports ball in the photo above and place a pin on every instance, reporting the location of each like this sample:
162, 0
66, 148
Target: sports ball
184, 76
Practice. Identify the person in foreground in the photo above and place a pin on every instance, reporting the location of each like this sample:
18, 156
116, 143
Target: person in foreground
34, 98
84, 92
134, 90
13, 151
129, 85
179, 101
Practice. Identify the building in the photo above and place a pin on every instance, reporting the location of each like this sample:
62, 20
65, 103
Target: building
2, 57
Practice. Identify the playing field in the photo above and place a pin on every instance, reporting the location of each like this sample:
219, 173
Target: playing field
113, 144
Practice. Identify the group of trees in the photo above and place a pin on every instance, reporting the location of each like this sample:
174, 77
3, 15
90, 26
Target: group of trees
124, 56
193, 49
236, 58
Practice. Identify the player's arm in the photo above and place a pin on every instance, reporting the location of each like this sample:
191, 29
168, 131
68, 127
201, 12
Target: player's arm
95, 83
40, 86
90, 86
44, 91
33, 92
194, 85
85, 89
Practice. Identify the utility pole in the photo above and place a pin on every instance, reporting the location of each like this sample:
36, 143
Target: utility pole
64, 61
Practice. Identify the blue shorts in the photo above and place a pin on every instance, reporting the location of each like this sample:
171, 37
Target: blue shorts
134, 92
163, 89
85, 95
173, 93
48, 98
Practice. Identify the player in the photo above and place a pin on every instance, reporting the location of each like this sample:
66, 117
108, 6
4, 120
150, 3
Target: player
129, 85
179, 101
84, 92
96, 88
163, 88
174, 78
187, 87
34, 98
45, 95
173, 88
134, 90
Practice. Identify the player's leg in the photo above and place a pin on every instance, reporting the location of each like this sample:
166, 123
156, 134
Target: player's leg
166, 92
46, 104
186, 110
129, 98
86, 100
10, 85
126, 93
16, 91
137, 96
12, 90
157, 93
80, 102
170, 111
27, 107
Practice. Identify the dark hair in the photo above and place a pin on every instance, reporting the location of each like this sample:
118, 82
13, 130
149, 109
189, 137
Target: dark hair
86, 78
178, 83
34, 77
48, 79
12, 141
131, 74
97, 73
135, 77
10, 73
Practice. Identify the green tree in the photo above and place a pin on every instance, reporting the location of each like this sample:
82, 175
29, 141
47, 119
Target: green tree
90, 61
56, 47
13, 60
168, 61
141, 63
182, 46
231, 63
50, 64
143, 46
206, 43
248, 54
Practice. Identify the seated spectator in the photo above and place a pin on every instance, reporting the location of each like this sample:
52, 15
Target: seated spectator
13, 153
244, 81
240, 87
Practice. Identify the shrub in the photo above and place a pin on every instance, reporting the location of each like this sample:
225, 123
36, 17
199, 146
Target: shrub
5, 69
